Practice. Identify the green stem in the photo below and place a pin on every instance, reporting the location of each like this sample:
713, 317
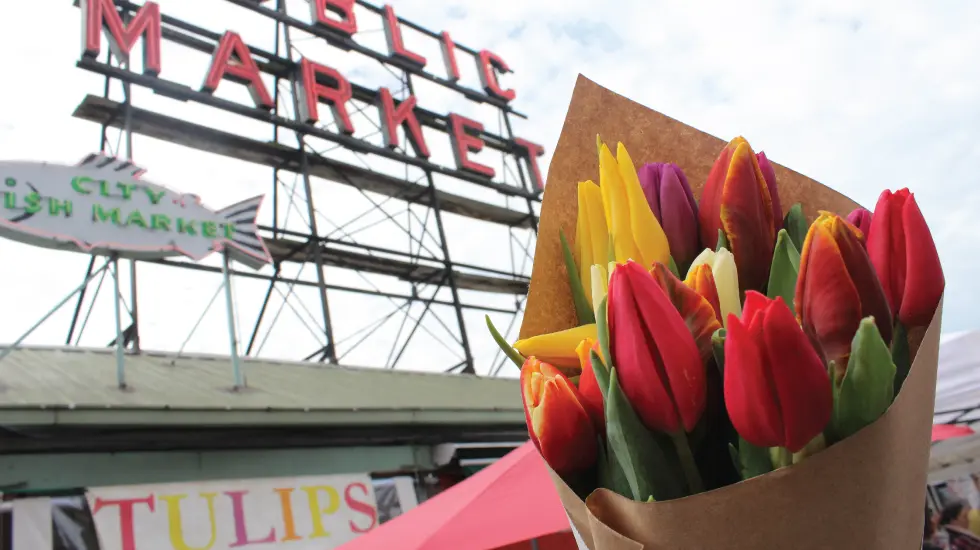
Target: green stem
694, 483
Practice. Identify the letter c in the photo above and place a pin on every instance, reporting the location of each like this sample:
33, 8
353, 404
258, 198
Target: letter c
76, 184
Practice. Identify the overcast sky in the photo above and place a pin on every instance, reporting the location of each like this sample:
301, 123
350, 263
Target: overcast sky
858, 95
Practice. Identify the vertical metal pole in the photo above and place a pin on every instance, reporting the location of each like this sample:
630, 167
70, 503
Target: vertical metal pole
230, 309
447, 261
329, 351
520, 173
120, 360
128, 133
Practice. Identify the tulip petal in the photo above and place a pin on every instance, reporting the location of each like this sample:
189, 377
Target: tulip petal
588, 386
557, 348
747, 218
564, 430
862, 273
798, 374
861, 219
709, 209
887, 246
615, 202
697, 312
679, 215
770, 176
755, 303
725, 273
591, 235
749, 397
702, 281
924, 280
649, 237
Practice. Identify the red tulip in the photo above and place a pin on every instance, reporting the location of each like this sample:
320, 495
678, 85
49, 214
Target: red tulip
777, 390
770, 176
905, 257
736, 199
557, 421
861, 219
698, 313
657, 361
588, 386
837, 287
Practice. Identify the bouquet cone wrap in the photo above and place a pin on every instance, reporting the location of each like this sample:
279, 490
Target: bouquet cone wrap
866, 491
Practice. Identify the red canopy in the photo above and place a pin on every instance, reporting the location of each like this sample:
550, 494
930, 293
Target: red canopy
941, 432
511, 500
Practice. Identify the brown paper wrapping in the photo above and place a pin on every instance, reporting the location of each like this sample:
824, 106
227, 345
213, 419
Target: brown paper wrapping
865, 492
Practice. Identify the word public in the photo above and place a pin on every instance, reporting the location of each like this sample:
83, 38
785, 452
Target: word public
231, 60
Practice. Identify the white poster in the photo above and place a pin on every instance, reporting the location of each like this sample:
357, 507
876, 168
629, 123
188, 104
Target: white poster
320, 512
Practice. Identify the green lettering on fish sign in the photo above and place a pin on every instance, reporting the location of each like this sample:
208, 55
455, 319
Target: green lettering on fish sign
209, 229
55, 206
78, 181
184, 226
127, 189
10, 182
154, 195
100, 214
136, 218
104, 188
229, 229
160, 221
33, 203
9, 200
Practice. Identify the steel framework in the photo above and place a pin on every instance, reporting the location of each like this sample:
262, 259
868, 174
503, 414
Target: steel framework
302, 158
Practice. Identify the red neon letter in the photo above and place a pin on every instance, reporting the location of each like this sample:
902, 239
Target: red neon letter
97, 14
125, 516
532, 152
488, 62
464, 143
404, 113
336, 95
449, 57
393, 35
360, 506
241, 68
344, 9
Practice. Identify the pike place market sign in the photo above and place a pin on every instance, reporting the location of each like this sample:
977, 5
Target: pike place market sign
102, 206
336, 22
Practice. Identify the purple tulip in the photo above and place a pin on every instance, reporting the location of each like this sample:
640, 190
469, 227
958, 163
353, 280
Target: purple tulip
770, 176
669, 196
861, 218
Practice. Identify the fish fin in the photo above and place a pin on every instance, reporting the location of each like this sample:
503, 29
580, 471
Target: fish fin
245, 245
101, 161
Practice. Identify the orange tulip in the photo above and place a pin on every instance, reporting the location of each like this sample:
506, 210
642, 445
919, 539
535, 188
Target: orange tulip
588, 386
699, 315
557, 421
702, 280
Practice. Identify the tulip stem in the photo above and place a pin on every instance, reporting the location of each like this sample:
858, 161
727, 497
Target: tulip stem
691, 473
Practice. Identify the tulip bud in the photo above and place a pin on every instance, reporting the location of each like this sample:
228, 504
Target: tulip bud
591, 236
777, 390
861, 219
669, 196
557, 348
636, 233
557, 422
657, 359
588, 386
725, 275
697, 312
700, 279
736, 199
837, 287
866, 389
769, 174
905, 258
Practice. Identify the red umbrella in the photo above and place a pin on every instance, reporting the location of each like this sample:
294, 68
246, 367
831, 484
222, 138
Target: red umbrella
941, 432
511, 500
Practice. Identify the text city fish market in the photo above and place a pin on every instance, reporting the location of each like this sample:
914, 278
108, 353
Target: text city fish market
33, 203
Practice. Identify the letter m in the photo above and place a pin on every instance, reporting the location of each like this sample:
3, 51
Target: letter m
102, 14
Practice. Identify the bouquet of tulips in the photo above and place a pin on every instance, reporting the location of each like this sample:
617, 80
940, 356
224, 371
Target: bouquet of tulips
718, 343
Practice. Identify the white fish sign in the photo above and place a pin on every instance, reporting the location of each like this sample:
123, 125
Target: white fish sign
101, 206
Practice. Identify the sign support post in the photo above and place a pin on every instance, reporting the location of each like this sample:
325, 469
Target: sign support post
120, 359
230, 307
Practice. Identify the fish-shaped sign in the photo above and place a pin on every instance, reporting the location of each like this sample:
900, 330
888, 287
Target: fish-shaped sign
101, 206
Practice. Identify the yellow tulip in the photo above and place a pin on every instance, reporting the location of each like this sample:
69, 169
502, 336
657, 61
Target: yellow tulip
635, 231
557, 348
591, 236
600, 283
723, 269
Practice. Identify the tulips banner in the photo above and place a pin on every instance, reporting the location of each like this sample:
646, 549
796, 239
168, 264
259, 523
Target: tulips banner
718, 352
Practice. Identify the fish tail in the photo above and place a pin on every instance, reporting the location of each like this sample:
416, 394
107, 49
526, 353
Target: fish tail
245, 245
102, 161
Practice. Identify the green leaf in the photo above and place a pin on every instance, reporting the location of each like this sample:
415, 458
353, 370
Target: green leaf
602, 330
646, 464
785, 269
610, 473
718, 349
736, 461
753, 461
722, 241
582, 307
673, 268
868, 386
900, 355
601, 374
574, 379
796, 225
508, 350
